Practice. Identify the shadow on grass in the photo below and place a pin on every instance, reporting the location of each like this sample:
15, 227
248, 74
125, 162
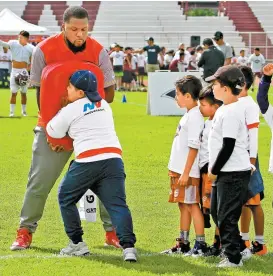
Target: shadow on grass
17, 117
45, 250
163, 264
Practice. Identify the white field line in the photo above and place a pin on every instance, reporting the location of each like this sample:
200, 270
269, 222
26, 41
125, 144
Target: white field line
57, 256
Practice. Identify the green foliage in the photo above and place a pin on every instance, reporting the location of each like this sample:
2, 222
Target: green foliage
202, 12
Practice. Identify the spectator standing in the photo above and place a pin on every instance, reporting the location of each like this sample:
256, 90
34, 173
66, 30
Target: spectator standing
5, 62
179, 65
117, 57
242, 60
211, 59
223, 46
152, 53
168, 58
141, 67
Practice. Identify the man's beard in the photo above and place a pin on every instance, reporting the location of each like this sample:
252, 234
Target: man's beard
73, 48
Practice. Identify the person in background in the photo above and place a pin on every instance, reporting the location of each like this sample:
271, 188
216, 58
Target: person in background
127, 69
211, 59
168, 58
256, 61
223, 46
5, 62
161, 56
192, 61
242, 59
152, 53
233, 59
179, 65
117, 57
141, 67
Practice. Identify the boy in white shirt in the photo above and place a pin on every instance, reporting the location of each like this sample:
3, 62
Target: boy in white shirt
118, 56
242, 59
229, 164
98, 166
141, 67
256, 187
256, 61
183, 168
208, 108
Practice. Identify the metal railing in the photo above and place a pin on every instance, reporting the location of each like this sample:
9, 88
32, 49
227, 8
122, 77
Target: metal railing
250, 40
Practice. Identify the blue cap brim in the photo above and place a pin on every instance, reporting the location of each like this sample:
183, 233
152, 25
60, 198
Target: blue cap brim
93, 96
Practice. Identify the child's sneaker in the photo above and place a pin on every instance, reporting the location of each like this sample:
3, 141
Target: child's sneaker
79, 249
179, 248
246, 254
130, 254
213, 251
258, 248
199, 250
226, 263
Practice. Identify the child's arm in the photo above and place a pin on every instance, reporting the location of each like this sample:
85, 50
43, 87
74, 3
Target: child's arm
195, 128
184, 178
230, 129
262, 96
58, 126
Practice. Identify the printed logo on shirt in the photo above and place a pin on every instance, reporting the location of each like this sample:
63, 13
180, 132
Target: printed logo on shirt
91, 106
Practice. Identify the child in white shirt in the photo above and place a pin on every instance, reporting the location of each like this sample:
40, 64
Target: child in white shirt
184, 170
98, 165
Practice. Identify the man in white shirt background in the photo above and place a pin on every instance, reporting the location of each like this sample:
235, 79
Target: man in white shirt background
21, 52
256, 61
118, 56
5, 60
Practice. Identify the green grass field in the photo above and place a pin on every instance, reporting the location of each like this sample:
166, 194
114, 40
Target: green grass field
146, 143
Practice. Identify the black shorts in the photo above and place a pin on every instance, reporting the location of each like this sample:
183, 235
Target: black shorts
127, 76
134, 76
118, 68
141, 71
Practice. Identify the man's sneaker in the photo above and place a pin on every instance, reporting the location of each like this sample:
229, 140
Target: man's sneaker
258, 248
213, 251
111, 239
72, 249
226, 263
130, 254
23, 239
179, 248
246, 254
11, 114
199, 250
24, 114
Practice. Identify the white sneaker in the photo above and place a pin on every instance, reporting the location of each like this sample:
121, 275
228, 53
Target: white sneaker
11, 114
246, 254
130, 254
227, 263
24, 114
72, 249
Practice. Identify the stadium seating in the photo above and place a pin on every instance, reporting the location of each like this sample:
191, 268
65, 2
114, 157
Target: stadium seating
263, 11
129, 23
48, 19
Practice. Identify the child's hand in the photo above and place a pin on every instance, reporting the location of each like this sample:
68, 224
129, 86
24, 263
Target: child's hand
268, 69
212, 177
183, 180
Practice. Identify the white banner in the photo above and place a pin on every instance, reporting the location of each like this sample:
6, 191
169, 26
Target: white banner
88, 207
161, 93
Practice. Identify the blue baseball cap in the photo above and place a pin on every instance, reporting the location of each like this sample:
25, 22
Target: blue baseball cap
86, 81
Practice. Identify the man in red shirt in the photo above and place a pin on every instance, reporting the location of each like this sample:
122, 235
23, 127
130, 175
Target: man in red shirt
48, 157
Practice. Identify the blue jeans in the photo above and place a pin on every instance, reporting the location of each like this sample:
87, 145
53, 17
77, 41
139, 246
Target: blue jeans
106, 178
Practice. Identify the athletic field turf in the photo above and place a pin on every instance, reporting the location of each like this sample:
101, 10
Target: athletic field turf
146, 143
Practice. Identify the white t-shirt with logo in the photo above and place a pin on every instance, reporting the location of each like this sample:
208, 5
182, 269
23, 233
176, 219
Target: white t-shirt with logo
117, 58
187, 136
204, 150
256, 62
141, 60
90, 125
242, 60
229, 122
134, 63
7, 57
